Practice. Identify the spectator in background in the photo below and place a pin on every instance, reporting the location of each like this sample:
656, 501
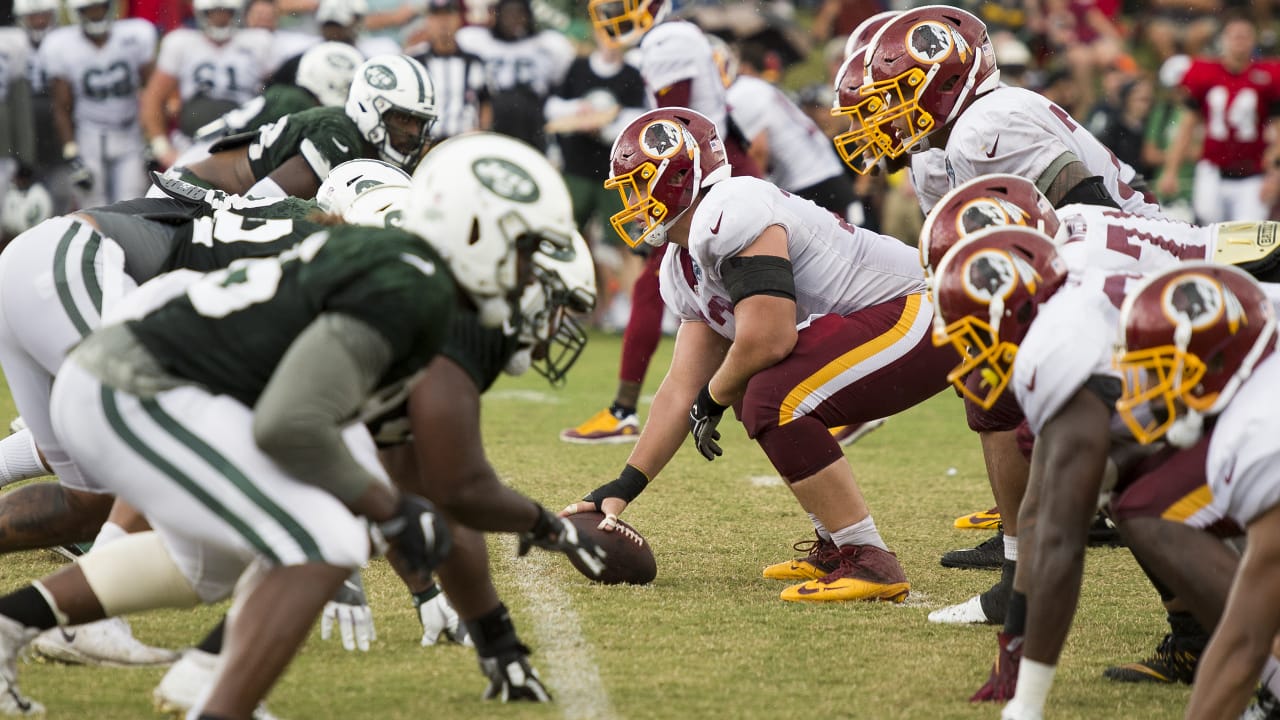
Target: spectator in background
462, 93
600, 95
1124, 129
1168, 114
1063, 89
837, 18
344, 21
1180, 26
1085, 34
1233, 99
523, 64
261, 14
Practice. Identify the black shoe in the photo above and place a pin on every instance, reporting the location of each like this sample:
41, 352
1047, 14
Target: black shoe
1174, 661
987, 556
1103, 533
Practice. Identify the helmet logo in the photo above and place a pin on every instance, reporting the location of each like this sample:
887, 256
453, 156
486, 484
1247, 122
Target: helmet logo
930, 42
380, 77
1197, 301
339, 61
660, 139
992, 274
986, 212
505, 179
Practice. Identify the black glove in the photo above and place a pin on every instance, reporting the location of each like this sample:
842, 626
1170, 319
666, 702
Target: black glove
512, 678
558, 534
418, 533
704, 416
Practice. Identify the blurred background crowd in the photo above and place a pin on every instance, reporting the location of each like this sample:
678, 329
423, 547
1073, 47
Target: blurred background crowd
533, 69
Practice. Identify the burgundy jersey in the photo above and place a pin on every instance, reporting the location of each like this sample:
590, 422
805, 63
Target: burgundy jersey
1235, 109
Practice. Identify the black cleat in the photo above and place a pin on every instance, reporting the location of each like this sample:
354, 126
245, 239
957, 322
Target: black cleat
989, 555
1103, 533
1174, 661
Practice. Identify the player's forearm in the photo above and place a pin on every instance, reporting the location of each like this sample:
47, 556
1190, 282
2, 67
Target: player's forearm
151, 111
63, 107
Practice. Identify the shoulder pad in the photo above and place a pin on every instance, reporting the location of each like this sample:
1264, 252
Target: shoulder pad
179, 189
231, 142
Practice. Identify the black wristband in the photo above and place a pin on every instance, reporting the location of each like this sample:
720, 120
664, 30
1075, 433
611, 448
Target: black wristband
426, 595
628, 486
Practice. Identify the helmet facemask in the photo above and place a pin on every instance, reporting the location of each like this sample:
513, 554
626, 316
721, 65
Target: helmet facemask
402, 135
644, 217
622, 23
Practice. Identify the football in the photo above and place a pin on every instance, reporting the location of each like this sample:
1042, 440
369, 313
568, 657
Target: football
630, 559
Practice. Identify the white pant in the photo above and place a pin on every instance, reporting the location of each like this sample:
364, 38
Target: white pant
1218, 199
115, 157
187, 460
56, 281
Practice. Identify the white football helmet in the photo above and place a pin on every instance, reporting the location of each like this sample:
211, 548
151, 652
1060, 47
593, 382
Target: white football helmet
218, 33
566, 284
92, 28
25, 10
353, 177
24, 209
342, 12
397, 86
482, 200
326, 71
378, 206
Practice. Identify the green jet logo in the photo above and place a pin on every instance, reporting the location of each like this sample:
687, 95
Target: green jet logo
380, 77
506, 179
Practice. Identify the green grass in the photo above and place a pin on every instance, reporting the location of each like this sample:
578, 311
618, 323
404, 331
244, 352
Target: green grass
709, 638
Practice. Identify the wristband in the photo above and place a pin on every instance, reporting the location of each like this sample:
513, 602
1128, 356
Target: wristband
160, 146
419, 598
707, 400
628, 486
70, 150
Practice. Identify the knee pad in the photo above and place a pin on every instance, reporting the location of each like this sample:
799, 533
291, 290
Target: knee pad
136, 573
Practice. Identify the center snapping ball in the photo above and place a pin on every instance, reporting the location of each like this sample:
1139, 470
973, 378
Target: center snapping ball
629, 557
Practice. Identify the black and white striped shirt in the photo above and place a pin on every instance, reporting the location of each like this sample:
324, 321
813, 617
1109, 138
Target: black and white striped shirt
460, 85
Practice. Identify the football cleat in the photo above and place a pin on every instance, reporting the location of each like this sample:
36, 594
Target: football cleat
1003, 680
14, 636
1265, 706
988, 555
821, 557
107, 642
847, 435
604, 428
188, 679
17, 425
1103, 533
865, 572
969, 612
984, 520
1174, 661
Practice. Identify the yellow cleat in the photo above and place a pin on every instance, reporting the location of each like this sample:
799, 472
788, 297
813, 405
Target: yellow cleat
865, 572
604, 428
822, 557
985, 520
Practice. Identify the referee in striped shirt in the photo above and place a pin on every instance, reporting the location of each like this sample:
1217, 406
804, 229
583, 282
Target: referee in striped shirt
462, 96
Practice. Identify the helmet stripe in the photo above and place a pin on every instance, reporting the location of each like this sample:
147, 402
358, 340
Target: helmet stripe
422, 87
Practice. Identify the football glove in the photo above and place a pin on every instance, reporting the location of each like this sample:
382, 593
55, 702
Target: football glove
349, 610
439, 619
79, 174
418, 533
1003, 681
558, 534
512, 678
704, 416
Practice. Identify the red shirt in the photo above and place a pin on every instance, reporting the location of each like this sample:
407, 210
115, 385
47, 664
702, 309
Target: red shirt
1235, 109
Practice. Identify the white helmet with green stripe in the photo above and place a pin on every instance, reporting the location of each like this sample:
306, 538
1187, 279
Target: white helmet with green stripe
393, 103
349, 179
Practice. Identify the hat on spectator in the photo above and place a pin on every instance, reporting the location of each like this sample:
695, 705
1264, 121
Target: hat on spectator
342, 12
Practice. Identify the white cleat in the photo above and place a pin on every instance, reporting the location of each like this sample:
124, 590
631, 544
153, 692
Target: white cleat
17, 425
968, 612
107, 642
13, 638
187, 681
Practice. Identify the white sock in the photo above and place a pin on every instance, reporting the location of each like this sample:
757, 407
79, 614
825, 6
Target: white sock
823, 532
860, 533
109, 533
19, 458
1011, 548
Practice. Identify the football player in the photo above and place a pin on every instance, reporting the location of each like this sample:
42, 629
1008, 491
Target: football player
95, 70
388, 115
796, 319
1198, 342
212, 70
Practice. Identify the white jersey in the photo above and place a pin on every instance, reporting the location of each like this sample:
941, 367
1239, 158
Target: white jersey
929, 177
538, 61
1243, 465
104, 80
800, 156
1016, 131
14, 51
1101, 238
676, 51
838, 268
233, 71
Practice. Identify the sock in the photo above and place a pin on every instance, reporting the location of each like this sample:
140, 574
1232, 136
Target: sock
860, 533
1010, 548
995, 601
1271, 675
1015, 616
821, 529
19, 458
212, 643
30, 607
109, 533
620, 411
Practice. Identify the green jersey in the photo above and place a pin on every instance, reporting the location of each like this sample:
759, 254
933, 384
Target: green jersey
325, 136
230, 329
234, 227
274, 103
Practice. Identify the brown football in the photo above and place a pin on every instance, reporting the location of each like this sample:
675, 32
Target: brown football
629, 558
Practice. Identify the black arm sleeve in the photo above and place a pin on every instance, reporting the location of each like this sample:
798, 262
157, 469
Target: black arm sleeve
1090, 191
758, 275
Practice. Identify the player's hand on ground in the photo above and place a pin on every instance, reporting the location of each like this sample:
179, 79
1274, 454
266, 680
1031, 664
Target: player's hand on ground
512, 678
553, 532
439, 619
349, 611
704, 416
1004, 674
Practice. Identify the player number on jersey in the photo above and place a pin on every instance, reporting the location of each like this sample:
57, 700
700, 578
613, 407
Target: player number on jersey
1232, 117
227, 226
113, 81
267, 136
206, 77
243, 283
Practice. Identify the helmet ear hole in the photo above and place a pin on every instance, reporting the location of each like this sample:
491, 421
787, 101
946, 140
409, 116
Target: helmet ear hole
475, 231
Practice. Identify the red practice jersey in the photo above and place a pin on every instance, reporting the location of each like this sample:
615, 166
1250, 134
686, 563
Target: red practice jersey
1235, 109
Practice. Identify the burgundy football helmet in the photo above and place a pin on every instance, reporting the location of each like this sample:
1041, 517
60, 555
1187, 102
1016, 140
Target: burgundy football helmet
861, 35
929, 64
861, 147
1190, 336
983, 202
659, 164
986, 293
622, 23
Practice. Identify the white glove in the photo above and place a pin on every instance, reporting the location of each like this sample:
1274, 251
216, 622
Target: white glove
1021, 711
439, 619
350, 611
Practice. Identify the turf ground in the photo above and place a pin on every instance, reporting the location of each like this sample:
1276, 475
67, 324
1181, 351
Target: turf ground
709, 638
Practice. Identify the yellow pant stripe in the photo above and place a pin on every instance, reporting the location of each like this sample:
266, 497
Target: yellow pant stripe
1190, 504
813, 383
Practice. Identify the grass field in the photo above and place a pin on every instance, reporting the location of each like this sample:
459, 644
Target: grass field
709, 638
